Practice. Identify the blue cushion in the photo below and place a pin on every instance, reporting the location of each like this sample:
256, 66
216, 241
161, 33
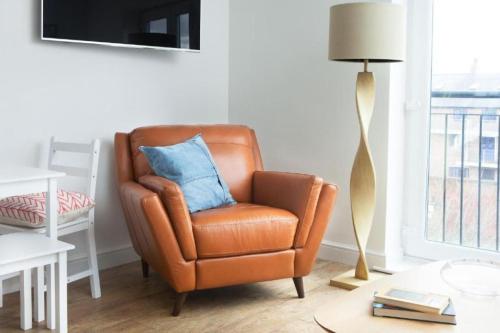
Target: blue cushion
192, 167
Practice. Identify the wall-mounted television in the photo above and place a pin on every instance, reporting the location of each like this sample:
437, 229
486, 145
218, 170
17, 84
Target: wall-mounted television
163, 24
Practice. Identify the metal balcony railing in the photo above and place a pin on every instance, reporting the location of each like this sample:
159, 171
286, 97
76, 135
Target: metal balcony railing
463, 196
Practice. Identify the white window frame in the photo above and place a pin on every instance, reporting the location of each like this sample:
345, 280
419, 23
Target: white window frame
418, 92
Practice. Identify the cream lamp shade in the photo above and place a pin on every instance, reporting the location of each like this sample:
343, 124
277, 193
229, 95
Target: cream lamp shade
367, 31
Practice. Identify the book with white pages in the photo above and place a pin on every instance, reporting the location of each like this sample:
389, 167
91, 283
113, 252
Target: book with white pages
413, 300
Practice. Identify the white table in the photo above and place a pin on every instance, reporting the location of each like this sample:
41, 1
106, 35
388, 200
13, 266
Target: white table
20, 252
20, 181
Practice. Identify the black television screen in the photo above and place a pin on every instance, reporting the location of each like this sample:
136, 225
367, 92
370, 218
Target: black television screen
172, 24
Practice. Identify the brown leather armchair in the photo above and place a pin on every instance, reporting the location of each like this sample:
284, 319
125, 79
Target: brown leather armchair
273, 232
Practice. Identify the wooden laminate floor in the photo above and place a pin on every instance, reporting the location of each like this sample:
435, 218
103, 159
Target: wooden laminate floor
130, 303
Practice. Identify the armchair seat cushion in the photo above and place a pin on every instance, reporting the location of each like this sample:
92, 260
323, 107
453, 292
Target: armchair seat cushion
242, 229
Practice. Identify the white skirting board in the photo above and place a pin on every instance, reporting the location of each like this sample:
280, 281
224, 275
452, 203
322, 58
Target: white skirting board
107, 259
348, 254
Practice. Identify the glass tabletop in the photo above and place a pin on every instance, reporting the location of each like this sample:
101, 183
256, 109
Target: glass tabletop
473, 276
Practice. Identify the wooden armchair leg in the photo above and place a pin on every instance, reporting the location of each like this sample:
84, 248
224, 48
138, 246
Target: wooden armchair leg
180, 298
145, 268
299, 286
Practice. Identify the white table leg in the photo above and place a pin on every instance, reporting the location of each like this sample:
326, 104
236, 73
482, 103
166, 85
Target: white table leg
52, 205
1, 292
26, 318
62, 297
39, 295
51, 297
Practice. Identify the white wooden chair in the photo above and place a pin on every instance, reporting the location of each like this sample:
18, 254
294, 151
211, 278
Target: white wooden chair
83, 223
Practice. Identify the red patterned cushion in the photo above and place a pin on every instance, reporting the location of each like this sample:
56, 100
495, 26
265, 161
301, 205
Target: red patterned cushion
29, 210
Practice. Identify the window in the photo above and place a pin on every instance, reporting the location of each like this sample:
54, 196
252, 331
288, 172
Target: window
490, 115
453, 140
488, 174
456, 172
487, 149
454, 76
467, 85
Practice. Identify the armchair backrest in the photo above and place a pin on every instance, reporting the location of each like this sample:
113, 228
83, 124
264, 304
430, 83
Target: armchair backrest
234, 149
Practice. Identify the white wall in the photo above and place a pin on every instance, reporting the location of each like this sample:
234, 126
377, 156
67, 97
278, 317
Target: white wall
302, 107
274, 64
79, 92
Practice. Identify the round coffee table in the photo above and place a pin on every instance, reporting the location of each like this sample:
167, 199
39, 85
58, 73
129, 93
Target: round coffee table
352, 312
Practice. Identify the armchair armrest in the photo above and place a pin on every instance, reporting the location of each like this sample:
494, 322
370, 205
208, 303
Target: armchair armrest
153, 236
296, 193
173, 199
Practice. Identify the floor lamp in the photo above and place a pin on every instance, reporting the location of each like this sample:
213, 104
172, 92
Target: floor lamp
364, 32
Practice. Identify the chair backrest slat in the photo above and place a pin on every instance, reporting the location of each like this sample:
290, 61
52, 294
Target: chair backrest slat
72, 147
89, 172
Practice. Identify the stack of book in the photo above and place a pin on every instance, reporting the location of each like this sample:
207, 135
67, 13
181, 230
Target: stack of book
407, 304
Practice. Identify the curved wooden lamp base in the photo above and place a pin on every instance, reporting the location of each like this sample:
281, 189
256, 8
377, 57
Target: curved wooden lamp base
348, 280
362, 184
